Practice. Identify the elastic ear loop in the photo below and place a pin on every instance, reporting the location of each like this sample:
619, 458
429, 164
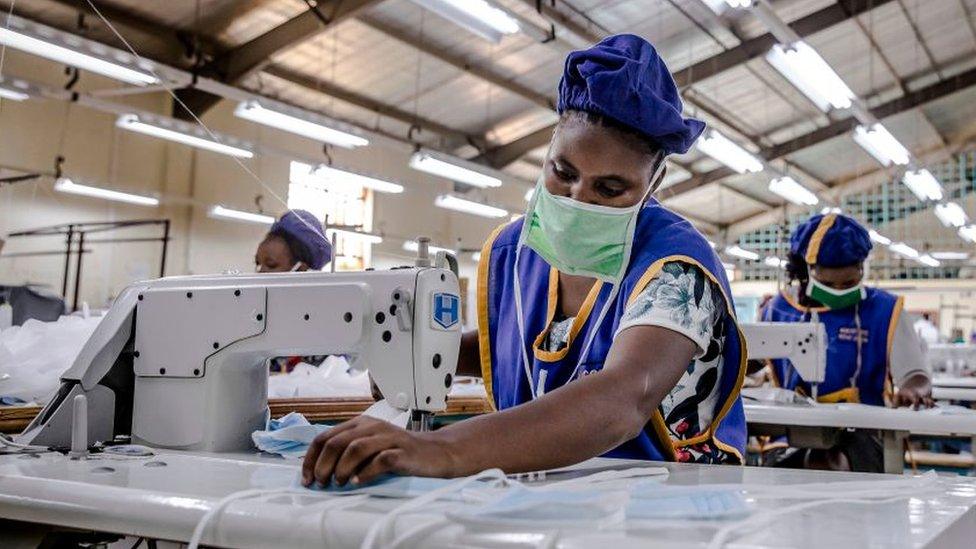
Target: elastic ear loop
380, 528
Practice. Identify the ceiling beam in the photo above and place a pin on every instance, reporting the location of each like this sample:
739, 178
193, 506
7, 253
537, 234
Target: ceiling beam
245, 59
503, 155
459, 62
754, 48
906, 102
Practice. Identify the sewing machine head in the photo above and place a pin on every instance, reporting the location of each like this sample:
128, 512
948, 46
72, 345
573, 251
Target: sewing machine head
182, 362
803, 343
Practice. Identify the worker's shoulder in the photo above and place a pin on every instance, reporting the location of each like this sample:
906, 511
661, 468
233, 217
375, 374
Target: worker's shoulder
881, 295
506, 234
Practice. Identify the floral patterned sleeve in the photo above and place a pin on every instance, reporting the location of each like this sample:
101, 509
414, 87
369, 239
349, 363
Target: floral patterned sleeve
681, 298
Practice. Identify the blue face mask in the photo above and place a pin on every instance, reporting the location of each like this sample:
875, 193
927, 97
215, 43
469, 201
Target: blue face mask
659, 502
288, 437
535, 507
388, 486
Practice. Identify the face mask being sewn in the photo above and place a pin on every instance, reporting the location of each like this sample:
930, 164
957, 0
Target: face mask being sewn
546, 508
687, 502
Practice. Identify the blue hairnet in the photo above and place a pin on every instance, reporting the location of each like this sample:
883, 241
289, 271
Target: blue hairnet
304, 227
832, 240
624, 79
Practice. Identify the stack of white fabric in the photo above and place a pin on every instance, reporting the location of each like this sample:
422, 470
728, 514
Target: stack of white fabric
33, 356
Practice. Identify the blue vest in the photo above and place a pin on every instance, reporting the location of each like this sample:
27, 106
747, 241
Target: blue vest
660, 236
879, 313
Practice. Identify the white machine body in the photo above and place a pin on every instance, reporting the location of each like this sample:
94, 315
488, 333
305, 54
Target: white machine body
199, 348
803, 343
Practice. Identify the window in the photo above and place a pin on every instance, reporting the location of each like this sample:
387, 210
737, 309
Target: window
338, 205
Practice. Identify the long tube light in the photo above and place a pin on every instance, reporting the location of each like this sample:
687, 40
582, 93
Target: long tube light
19, 34
13, 95
66, 185
923, 184
904, 250
831, 210
356, 235
951, 214
739, 3
453, 168
342, 177
413, 246
968, 233
879, 238
950, 256
240, 215
459, 204
742, 252
880, 144
928, 260
255, 112
788, 188
724, 150
805, 69
478, 16
773, 261
134, 123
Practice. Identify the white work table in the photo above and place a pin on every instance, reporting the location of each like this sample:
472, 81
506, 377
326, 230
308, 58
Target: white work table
808, 424
166, 501
954, 388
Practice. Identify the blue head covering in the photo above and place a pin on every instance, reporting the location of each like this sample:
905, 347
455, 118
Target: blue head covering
305, 228
832, 240
624, 79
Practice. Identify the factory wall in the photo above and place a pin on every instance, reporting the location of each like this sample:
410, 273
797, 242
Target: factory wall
34, 132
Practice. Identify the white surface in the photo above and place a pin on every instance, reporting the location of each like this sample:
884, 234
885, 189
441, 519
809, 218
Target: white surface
954, 393
956, 382
166, 502
862, 416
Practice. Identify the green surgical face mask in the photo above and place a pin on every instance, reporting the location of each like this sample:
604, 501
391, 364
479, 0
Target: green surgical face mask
578, 238
835, 299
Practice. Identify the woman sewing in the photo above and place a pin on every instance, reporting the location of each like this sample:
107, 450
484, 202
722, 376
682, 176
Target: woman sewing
873, 354
605, 321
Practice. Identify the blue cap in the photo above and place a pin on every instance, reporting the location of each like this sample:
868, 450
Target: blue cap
304, 227
832, 240
624, 79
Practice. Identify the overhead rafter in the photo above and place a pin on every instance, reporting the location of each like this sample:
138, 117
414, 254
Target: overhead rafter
254, 55
760, 45
906, 102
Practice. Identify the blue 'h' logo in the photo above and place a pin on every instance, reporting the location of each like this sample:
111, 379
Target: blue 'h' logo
447, 310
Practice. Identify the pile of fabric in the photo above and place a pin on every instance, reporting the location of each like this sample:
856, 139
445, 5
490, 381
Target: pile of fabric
33, 356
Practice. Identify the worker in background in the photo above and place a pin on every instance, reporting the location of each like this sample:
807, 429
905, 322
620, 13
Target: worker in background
296, 242
873, 354
606, 324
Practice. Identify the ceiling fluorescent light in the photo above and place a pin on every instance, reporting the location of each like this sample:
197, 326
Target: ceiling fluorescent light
476, 256
298, 122
742, 252
356, 235
831, 210
805, 69
883, 146
529, 194
951, 214
968, 233
904, 250
775, 262
413, 246
458, 204
923, 184
928, 260
477, 16
739, 3
173, 130
879, 238
788, 188
453, 168
239, 215
13, 95
950, 256
342, 177
66, 185
77, 52
727, 152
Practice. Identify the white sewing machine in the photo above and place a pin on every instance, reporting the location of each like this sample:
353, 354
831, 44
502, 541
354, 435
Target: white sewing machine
803, 343
181, 362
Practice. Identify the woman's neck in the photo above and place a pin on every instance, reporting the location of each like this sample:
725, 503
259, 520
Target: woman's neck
573, 290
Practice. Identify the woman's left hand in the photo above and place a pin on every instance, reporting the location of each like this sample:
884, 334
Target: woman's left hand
363, 448
915, 391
